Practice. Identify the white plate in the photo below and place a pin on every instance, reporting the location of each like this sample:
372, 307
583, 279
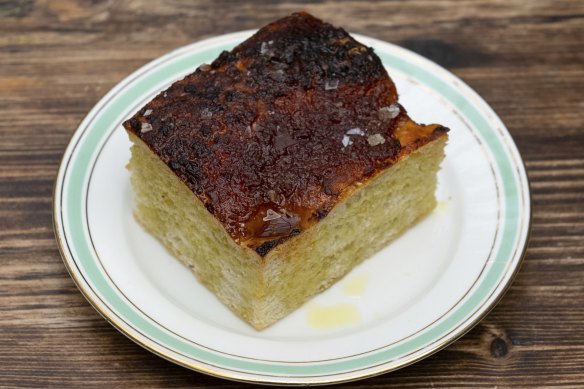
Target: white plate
416, 296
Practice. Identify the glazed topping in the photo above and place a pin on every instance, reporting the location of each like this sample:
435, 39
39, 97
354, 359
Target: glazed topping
271, 135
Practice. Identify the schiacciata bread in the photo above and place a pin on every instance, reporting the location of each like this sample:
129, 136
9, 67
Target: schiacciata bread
277, 168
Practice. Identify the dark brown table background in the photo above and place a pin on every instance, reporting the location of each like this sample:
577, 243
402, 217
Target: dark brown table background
57, 58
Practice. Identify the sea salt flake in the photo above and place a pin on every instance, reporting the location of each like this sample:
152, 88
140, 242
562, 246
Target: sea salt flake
147, 112
375, 139
331, 84
264, 48
271, 215
146, 127
356, 131
346, 141
389, 112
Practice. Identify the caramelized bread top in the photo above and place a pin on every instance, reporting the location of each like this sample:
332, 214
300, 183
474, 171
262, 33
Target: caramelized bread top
273, 134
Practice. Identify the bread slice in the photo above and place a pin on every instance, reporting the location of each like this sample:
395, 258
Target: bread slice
275, 170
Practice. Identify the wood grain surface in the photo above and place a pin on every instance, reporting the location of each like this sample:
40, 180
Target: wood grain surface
57, 58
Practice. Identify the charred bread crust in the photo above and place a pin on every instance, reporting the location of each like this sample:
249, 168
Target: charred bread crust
273, 134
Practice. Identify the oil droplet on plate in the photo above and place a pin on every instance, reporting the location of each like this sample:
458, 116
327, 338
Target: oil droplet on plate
334, 316
441, 207
356, 285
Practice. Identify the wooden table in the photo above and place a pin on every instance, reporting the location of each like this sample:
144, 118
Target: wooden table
57, 58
